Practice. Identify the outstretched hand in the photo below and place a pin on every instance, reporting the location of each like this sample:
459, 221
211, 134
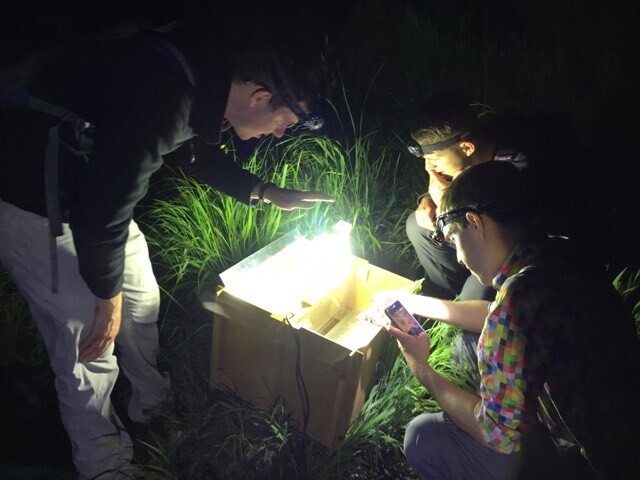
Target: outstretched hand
287, 199
106, 325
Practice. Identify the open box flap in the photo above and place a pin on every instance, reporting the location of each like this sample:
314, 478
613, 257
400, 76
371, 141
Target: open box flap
347, 315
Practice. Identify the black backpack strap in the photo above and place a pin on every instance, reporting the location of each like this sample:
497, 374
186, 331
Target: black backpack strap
20, 97
171, 53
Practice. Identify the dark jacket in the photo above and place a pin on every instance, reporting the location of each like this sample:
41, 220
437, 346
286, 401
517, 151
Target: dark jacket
138, 96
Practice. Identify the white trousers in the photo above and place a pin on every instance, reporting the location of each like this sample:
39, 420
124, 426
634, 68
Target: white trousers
99, 443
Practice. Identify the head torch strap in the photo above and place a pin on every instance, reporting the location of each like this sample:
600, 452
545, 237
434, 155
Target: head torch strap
486, 207
419, 150
446, 218
312, 122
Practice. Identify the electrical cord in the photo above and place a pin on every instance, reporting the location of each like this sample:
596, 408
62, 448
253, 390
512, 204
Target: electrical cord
304, 400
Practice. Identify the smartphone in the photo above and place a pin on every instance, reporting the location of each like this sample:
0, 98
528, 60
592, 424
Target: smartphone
402, 319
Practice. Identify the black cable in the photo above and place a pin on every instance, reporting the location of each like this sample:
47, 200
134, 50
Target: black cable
304, 400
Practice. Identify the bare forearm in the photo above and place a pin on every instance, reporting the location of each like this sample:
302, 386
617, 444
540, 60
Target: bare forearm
469, 315
457, 403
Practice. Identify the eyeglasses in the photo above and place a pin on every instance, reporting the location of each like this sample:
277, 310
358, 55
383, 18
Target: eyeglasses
310, 121
418, 150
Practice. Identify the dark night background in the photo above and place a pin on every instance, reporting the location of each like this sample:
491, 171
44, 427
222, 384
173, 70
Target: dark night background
595, 85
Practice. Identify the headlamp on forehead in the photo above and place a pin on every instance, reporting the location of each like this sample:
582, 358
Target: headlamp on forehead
418, 150
310, 121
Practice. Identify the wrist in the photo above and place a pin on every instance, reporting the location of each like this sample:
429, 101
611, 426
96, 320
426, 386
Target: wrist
425, 374
263, 189
113, 304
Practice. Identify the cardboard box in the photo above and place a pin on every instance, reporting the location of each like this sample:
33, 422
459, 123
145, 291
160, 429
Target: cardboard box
291, 305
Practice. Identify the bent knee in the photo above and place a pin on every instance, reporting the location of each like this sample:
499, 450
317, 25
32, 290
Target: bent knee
424, 436
415, 232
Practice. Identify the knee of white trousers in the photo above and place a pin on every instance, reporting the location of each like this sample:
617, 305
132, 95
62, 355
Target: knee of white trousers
87, 385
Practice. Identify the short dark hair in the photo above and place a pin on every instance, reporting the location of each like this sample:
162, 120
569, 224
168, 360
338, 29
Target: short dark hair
301, 70
499, 188
441, 117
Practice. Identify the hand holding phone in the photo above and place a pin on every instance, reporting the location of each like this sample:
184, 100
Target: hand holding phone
402, 319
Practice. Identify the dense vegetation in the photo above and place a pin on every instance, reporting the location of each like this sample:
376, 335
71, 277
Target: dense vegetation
567, 56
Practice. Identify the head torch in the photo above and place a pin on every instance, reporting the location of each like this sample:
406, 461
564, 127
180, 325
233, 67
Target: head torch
310, 121
418, 150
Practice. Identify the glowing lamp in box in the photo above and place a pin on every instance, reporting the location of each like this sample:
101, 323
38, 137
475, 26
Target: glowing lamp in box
306, 292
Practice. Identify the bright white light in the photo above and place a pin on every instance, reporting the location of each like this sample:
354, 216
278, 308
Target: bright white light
290, 279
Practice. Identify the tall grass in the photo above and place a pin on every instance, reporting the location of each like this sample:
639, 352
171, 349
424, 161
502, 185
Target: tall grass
389, 56
198, 232
627, 283
20, 343
569, 56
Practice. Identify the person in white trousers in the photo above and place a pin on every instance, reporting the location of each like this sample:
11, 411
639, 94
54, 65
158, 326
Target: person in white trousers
65, 317
67, 233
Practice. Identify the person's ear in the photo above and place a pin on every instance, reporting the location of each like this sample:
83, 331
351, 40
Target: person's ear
258, 96
467, 147
475, 221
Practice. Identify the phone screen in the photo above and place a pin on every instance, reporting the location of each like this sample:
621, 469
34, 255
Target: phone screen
402, 319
